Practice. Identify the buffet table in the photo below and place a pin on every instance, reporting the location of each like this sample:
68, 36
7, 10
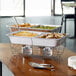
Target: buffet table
20, 67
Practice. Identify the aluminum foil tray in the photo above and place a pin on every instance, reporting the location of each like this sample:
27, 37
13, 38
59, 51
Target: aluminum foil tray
35, 40
57, 29
48, 42
20, 39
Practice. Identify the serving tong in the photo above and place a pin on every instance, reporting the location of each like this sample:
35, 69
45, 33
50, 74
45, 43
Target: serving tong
42, 66
17, 24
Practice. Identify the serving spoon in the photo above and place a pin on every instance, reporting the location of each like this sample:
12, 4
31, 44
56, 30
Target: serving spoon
16, 22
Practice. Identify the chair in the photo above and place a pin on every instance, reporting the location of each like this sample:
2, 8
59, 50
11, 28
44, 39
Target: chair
66, 16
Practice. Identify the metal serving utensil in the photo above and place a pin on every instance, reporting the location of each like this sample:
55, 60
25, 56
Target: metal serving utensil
42, 66
16, 22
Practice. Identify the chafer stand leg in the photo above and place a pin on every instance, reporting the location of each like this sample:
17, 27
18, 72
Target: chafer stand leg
16, 53
58, 51
26, 51
52, 52
21, 55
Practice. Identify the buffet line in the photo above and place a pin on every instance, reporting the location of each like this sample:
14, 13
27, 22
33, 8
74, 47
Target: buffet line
46, 37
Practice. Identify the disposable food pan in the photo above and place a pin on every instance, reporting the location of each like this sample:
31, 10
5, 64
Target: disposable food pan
57, 29
51, 42
21, 39
36, 41
48, 42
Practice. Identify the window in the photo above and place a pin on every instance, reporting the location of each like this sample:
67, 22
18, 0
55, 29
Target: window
38, 8
67, 10
11, 7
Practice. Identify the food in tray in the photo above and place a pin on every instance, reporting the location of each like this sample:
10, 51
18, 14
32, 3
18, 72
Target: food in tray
23, 25
25, 34
52, 35
44, 27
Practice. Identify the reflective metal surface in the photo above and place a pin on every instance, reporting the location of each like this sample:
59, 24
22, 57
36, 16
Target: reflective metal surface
41, 66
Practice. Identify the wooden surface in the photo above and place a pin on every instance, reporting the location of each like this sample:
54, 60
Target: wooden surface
10, 55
